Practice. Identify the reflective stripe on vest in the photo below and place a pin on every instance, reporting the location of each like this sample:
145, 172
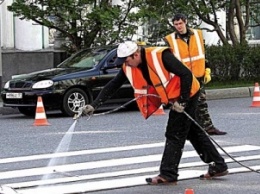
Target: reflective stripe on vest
165, 85
146, 104
129, 75
196, 63
201, 55
160, 77
158, 66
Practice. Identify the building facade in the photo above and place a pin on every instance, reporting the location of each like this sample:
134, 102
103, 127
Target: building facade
21, 37
25, 46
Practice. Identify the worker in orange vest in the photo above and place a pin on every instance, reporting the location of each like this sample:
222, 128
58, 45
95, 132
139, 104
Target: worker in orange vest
155, 71
188, 47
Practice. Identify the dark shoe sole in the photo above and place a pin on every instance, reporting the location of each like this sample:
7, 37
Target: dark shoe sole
207, 176
159, 181
216, 132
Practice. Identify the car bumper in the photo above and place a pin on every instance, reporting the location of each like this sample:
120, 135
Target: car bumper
50, 99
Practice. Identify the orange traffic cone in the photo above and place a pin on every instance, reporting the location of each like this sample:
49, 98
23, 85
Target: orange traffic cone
189, 191
40, 116
159, 111
256, 96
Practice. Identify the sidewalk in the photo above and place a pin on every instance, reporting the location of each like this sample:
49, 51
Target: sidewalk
240, 92
213, 94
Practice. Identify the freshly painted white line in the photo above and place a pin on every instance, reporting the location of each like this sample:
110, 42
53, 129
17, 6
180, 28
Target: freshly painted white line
70, 177
93, 151
78, 166
82, 152
107, 163
84, 177
115, 183
242, 169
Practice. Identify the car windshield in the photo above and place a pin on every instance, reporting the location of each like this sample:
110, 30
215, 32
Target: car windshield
85, 59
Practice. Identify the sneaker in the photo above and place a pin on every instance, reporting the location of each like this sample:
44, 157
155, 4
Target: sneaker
215, 131
158, 180
215, 171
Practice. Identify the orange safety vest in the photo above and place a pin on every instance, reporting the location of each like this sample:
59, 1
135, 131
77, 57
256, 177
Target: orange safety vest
192, 54
165, 88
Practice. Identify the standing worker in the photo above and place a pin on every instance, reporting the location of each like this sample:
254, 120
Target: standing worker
155, 71
188, 47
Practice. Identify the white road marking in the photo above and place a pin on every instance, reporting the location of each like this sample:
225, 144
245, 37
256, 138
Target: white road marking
115, 183
108, 163
115, 178
82, 152
93, 151
72, 178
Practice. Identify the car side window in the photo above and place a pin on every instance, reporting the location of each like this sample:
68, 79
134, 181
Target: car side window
111, 62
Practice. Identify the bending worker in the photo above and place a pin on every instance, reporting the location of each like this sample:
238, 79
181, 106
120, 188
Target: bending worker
188, 47
155, 71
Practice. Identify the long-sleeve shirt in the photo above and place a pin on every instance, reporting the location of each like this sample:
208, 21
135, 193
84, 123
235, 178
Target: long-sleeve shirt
171, 64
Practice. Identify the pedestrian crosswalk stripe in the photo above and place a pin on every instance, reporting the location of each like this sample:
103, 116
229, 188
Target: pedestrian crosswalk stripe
108, 163
116, 177
82, 152
71, 178
96, 151
115, 183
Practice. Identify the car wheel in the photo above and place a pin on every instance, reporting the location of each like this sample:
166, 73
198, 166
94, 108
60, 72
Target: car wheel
28, 111
73, 100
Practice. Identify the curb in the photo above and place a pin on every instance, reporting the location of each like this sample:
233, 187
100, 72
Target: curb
212, 94
240, 92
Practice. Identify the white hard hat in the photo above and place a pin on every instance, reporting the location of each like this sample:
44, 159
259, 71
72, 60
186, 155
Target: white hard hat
124, 50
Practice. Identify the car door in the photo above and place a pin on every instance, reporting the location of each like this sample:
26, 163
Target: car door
108, 71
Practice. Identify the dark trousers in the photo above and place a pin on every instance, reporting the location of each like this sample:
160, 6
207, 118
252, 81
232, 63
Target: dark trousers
179, 128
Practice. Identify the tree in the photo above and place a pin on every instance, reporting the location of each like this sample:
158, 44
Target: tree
84, 23
93, 22
240, 14
243, 13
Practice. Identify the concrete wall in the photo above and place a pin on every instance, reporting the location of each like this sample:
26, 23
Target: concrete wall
19, 62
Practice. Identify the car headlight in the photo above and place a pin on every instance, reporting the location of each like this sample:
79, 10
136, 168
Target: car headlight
42, 84
7, 84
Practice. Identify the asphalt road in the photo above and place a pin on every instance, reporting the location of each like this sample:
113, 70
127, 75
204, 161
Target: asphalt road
212, 94
116, 151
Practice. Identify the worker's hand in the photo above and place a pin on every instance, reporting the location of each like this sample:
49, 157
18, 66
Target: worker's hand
88, 110
178, 107
207, 75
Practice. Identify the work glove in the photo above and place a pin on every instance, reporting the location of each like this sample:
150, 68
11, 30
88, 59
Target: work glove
207, 76
178, 107
88, 110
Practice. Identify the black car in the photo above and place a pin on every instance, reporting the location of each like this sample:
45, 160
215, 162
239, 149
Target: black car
74, 83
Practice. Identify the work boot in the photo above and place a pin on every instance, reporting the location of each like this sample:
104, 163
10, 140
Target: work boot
214, 131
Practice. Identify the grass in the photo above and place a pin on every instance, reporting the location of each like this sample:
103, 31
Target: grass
230, 84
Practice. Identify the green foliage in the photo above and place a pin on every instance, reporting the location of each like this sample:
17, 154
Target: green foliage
234, 63
84, 23
216, 84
